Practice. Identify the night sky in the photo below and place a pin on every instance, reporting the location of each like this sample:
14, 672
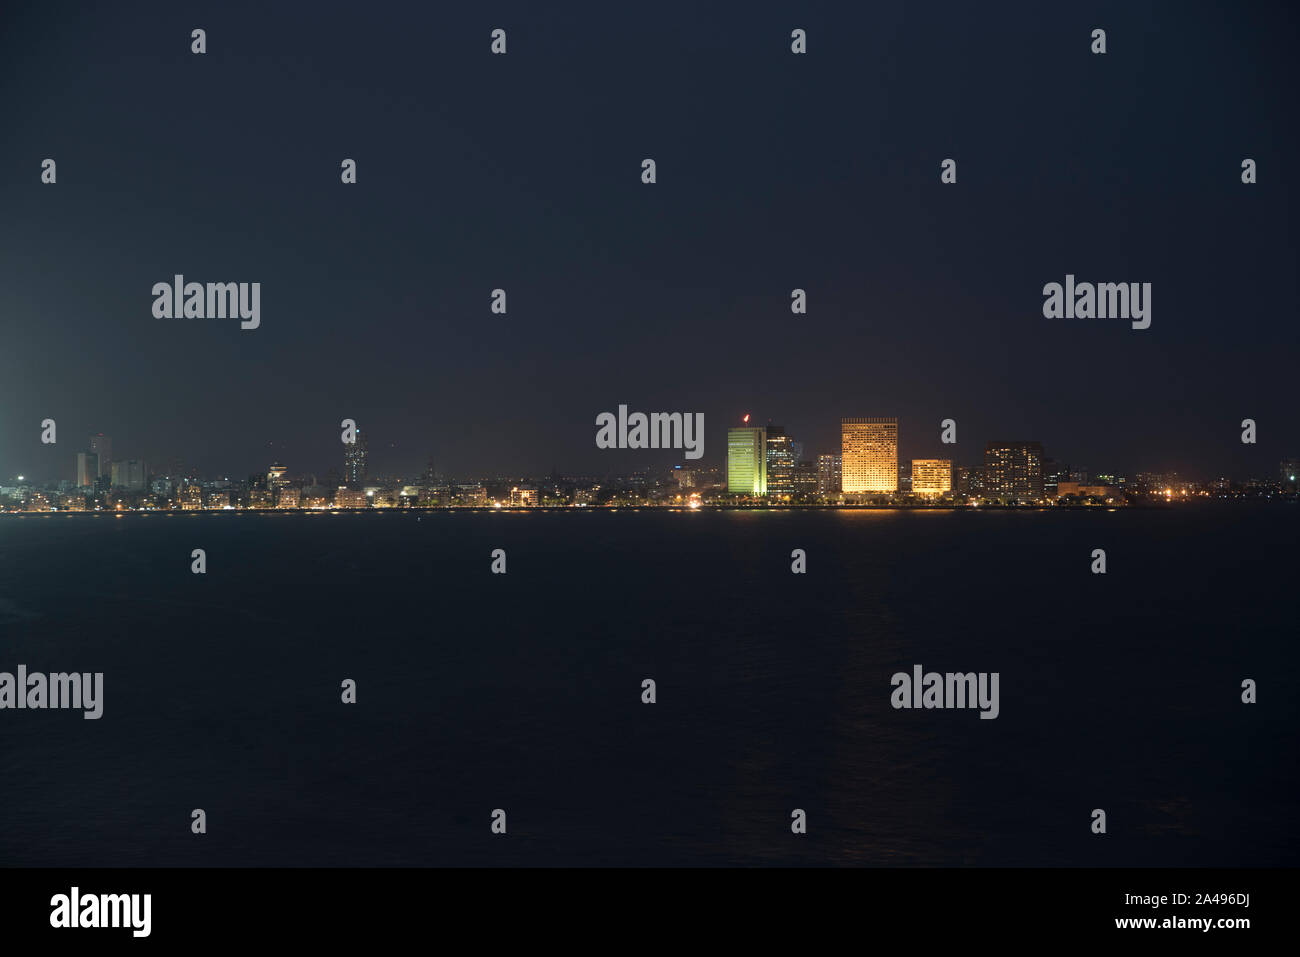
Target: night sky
523, 171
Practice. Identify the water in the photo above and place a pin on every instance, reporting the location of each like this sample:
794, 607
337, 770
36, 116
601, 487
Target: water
523, 691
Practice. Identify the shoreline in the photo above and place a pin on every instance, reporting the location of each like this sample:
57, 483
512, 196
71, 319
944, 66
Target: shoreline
421, 510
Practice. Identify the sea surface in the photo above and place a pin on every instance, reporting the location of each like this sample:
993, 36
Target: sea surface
522, 691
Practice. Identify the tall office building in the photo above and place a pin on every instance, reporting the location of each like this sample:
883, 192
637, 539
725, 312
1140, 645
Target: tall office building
102, 445
354, 461
1014, 470
970, 480
129, 475
931, 477
805, 481
828, 474
747, 461
870, 455
430, 477
1054, 473
87, 469
781, 461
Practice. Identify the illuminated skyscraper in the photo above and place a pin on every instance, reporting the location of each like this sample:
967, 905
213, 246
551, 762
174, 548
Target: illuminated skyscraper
1014, 470
354, 461
869, 460
781, 461
87, 469
828, 474
102, 445
747, 461
931, 477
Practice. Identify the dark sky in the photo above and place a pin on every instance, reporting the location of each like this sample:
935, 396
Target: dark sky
775, 171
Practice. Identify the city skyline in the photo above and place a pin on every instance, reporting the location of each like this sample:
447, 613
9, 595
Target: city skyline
354, 460
394, 454
764, 464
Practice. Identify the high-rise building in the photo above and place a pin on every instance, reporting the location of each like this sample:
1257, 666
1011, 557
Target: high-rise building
1054, 473
781, 461
354, 461
828, 475
747, 461
931, 477
87, 469
276, 476
805, 481
129, 475
1014, 470
102, 445
970, 480
870, 455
